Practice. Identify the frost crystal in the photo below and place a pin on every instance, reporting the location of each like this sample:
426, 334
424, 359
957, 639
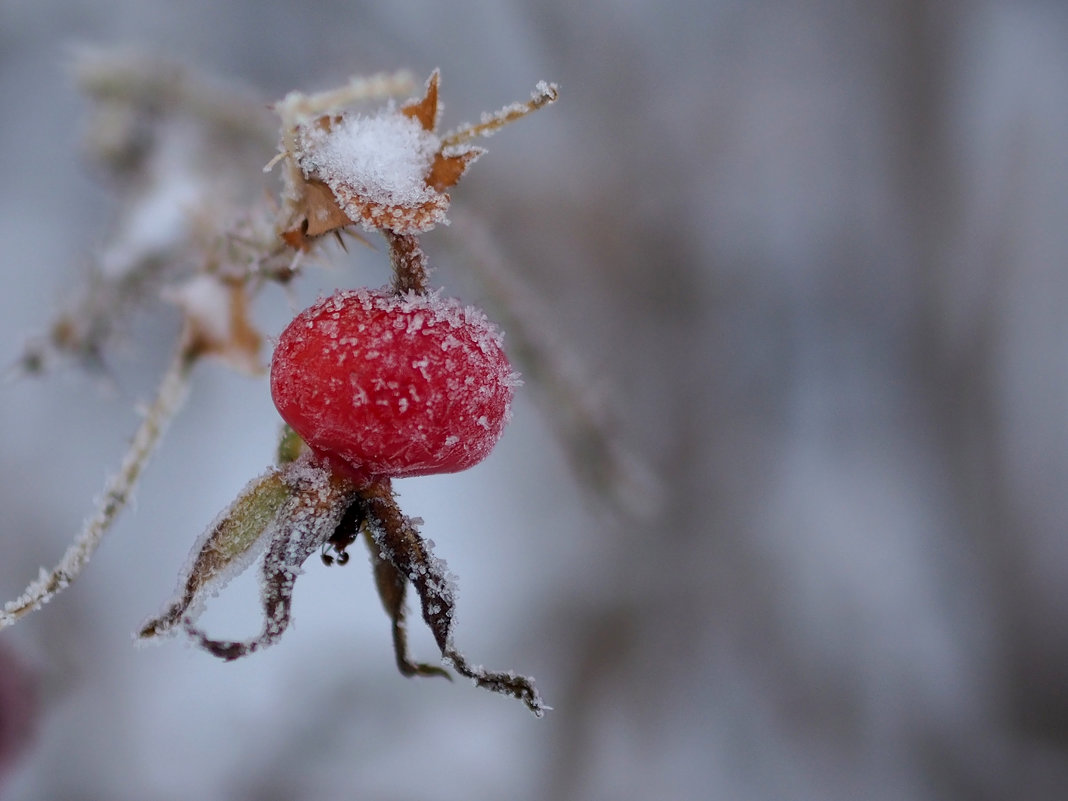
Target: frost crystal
384, 158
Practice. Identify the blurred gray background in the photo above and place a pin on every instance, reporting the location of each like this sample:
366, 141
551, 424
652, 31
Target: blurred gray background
814, 254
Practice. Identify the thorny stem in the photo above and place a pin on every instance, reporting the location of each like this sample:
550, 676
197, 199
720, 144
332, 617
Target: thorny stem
410, 265
117, 492
399, 543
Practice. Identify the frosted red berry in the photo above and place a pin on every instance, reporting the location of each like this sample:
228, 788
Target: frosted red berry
381, 385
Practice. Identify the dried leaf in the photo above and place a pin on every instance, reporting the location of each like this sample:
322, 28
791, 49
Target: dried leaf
426, 111
321, 209
447, 170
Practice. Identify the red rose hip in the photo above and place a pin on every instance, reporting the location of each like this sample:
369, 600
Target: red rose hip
382, 385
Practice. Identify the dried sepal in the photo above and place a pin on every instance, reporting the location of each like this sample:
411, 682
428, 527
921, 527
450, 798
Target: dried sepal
427, 110
289, 512
372, 168
228, 546
391, 584
316, 503
398, 542
301, 507
448, 169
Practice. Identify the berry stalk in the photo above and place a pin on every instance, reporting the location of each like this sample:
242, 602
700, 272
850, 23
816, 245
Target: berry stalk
411, 268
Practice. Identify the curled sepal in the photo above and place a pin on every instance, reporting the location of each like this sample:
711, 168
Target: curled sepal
392, 586
292, 510
402, 554
227, 548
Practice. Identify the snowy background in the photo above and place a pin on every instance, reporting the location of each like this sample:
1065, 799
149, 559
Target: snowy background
815, 254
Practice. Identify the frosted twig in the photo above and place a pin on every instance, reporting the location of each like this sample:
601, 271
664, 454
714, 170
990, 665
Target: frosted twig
543, 95
579, 412
117, 493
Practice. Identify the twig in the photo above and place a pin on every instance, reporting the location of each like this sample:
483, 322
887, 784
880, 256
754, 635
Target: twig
117, 493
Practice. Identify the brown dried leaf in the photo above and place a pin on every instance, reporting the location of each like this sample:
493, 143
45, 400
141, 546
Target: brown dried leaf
447, 170
321, 209
427, 110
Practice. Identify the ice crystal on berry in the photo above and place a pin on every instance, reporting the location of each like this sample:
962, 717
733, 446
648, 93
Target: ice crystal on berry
387, 385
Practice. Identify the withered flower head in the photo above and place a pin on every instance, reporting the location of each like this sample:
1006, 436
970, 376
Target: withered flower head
383, 170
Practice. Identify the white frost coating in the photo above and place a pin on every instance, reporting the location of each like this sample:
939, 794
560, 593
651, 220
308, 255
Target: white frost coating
385, 157
438, 309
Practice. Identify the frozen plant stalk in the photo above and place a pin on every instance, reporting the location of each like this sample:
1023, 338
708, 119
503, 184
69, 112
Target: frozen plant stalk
116, 495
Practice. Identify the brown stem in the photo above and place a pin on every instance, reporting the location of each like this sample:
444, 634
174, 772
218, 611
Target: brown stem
410, 266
